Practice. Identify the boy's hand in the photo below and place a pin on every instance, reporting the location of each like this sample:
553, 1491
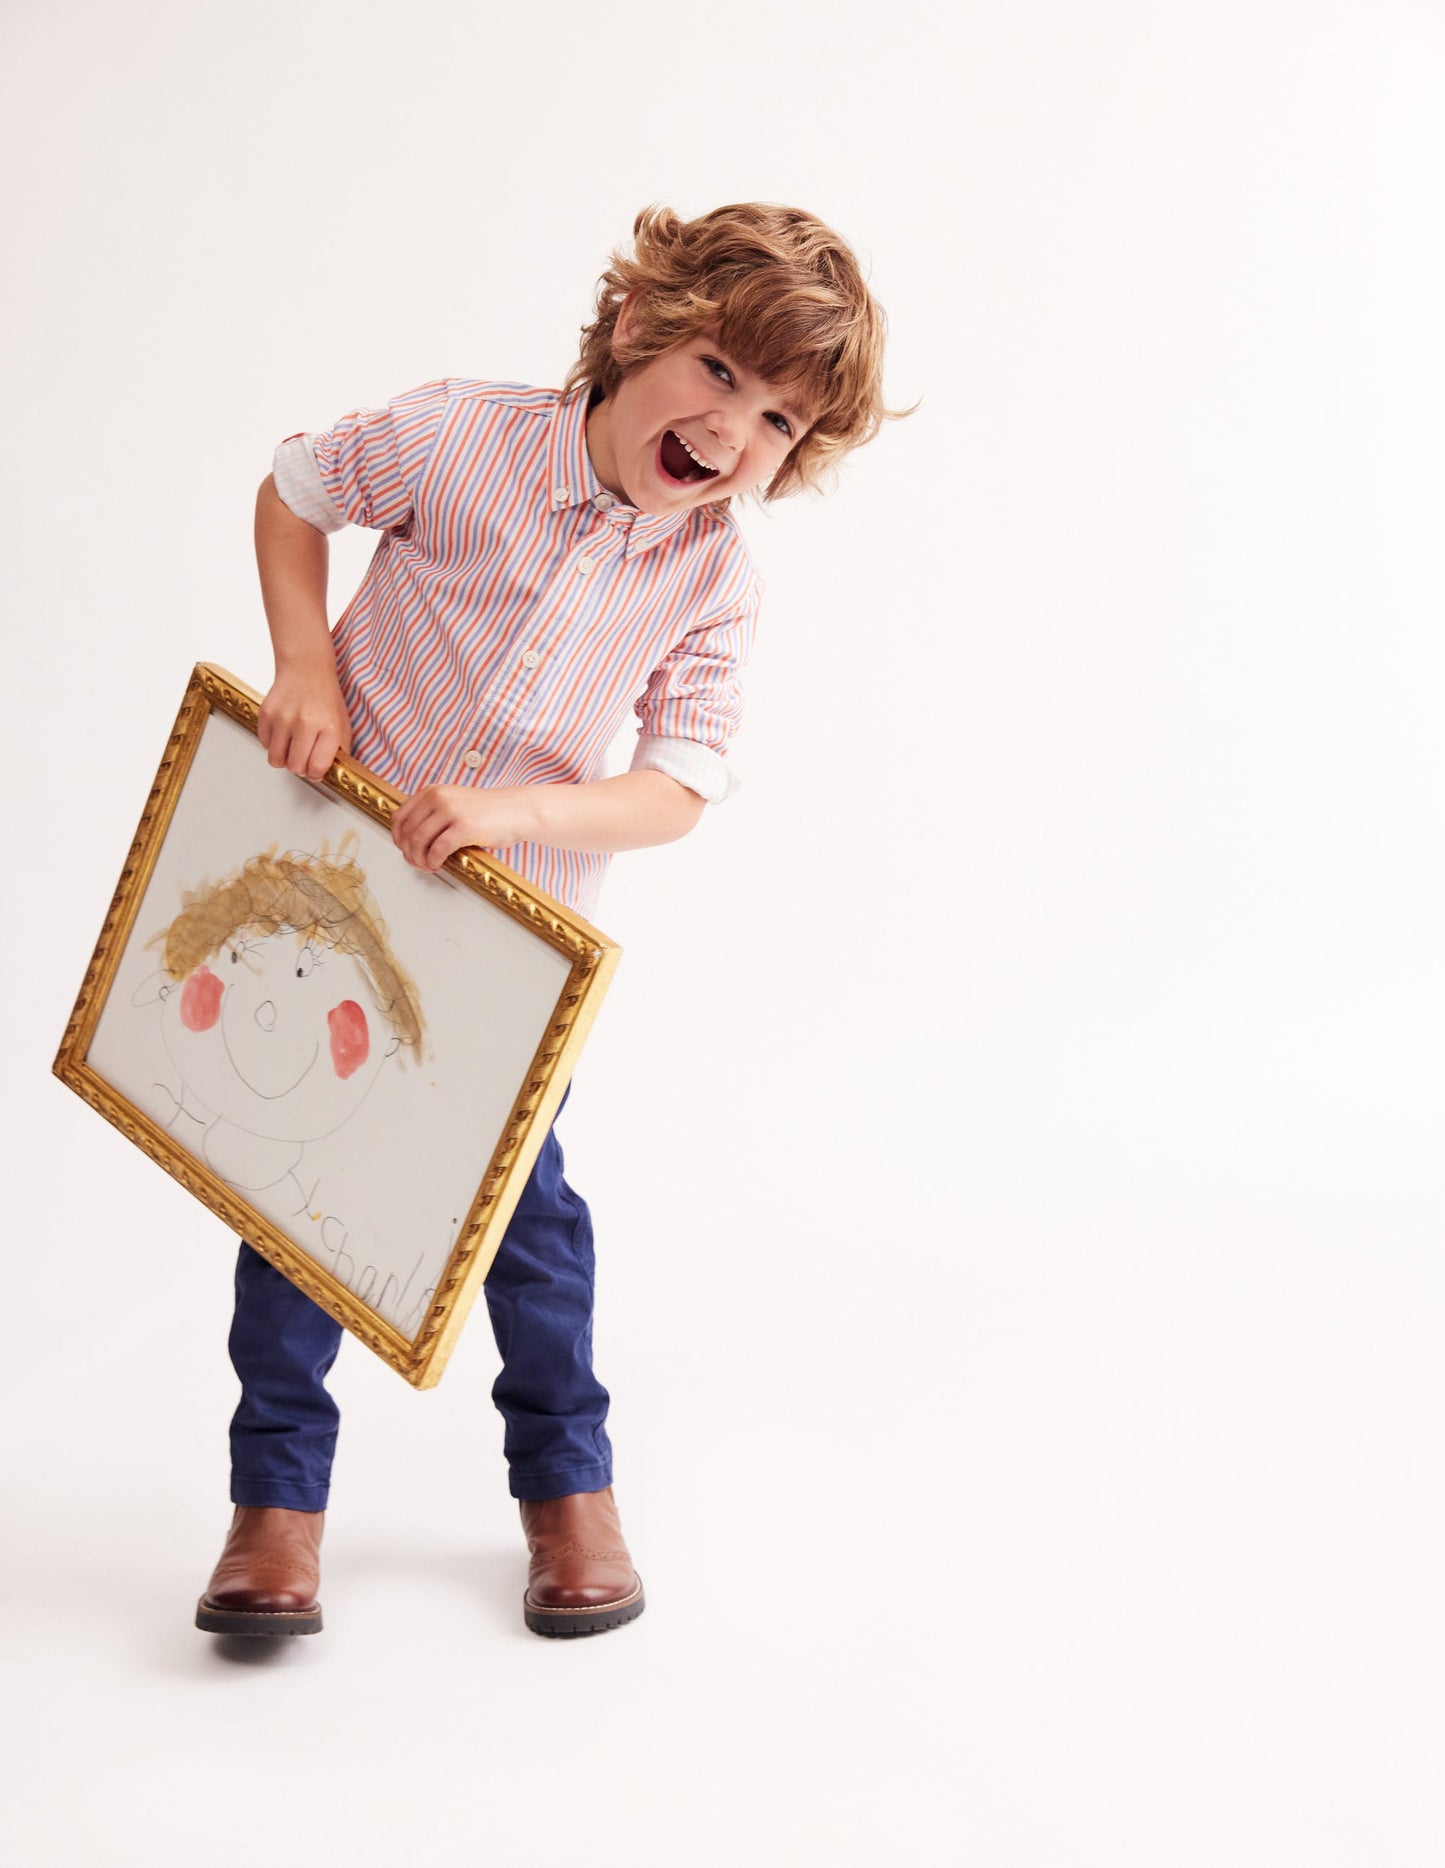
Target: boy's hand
302, 722
431, 824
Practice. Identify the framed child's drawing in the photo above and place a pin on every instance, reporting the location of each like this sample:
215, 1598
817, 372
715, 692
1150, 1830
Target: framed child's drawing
352, 1062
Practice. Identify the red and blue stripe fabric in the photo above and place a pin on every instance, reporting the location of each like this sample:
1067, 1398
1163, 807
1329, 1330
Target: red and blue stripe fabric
514, 611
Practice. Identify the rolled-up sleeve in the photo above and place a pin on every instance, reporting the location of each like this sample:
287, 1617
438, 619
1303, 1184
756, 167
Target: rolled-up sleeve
693, 701
365, 470
293, 468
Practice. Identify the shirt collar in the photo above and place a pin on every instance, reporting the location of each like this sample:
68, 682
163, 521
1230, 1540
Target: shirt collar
572, 482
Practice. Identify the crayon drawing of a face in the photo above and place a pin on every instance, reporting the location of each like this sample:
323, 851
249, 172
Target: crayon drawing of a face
282, 1003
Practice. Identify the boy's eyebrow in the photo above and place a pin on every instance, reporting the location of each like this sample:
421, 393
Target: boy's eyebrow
790, 409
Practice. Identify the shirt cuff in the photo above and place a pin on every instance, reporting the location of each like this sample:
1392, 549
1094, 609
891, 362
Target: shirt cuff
688, 761
299, 482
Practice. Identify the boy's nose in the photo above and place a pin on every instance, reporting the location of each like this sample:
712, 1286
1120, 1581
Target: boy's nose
724, 431
266, 1015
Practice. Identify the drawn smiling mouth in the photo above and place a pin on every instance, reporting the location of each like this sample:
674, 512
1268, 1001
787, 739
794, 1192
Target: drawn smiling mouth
267, 1096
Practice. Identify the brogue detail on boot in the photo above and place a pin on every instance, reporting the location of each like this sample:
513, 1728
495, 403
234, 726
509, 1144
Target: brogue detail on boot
580, 1578
268, 1574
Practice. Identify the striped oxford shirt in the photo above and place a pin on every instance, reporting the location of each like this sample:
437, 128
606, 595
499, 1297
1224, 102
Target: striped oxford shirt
514, 610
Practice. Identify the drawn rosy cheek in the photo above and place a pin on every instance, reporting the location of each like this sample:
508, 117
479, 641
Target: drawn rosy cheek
201, 1000
350, 1040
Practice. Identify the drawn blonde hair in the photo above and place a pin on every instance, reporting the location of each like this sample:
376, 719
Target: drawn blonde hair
783, 294
319, 897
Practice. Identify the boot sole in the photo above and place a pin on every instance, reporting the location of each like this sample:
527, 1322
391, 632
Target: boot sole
594, 1620
257, 1621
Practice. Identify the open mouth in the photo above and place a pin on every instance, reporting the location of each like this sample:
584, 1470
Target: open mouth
679, 464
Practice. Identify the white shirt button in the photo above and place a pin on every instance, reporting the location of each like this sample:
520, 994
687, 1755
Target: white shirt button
561, 494
604, 502
584, 565
472, 760
531, 659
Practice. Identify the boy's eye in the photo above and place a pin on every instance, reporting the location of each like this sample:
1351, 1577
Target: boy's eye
720, 370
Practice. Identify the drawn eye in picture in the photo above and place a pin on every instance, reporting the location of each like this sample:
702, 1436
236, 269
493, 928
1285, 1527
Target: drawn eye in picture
281, 1002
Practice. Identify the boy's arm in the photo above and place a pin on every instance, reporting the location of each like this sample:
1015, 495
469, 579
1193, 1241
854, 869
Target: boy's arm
629, 812
691, 702
302, 723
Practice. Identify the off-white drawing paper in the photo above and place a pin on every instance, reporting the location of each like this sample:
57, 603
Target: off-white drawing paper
351, 1086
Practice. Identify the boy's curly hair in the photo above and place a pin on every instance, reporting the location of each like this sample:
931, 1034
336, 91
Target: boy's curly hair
781, 292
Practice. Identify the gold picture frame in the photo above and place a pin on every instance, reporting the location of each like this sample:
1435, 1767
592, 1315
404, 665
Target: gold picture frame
516, 980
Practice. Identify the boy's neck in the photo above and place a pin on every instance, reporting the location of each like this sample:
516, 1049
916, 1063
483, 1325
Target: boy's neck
598, 436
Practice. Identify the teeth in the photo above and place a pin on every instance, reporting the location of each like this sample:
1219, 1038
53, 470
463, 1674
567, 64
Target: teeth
694, 453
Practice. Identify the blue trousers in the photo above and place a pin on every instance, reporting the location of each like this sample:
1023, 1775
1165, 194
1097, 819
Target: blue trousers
539, 1293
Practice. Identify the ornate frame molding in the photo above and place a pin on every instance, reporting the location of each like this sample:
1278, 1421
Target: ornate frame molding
592, 960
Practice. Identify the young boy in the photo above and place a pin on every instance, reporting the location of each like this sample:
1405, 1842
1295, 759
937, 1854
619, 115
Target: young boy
547, 560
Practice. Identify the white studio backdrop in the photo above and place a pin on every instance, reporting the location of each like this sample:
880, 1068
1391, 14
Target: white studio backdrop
1013, 1129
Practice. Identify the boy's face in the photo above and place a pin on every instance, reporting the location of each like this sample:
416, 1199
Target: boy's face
690, 427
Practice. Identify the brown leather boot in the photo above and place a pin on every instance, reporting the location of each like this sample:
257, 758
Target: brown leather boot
268, 1575
581, 1579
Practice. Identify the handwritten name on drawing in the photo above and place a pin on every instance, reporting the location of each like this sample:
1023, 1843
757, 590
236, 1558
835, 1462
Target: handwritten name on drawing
333, 1239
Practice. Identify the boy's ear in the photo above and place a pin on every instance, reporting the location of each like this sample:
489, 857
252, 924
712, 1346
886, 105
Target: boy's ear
621, 330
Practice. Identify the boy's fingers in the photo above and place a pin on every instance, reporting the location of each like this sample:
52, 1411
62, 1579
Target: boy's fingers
432, 826
322, 753
443, 845
300, 745
414, 836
